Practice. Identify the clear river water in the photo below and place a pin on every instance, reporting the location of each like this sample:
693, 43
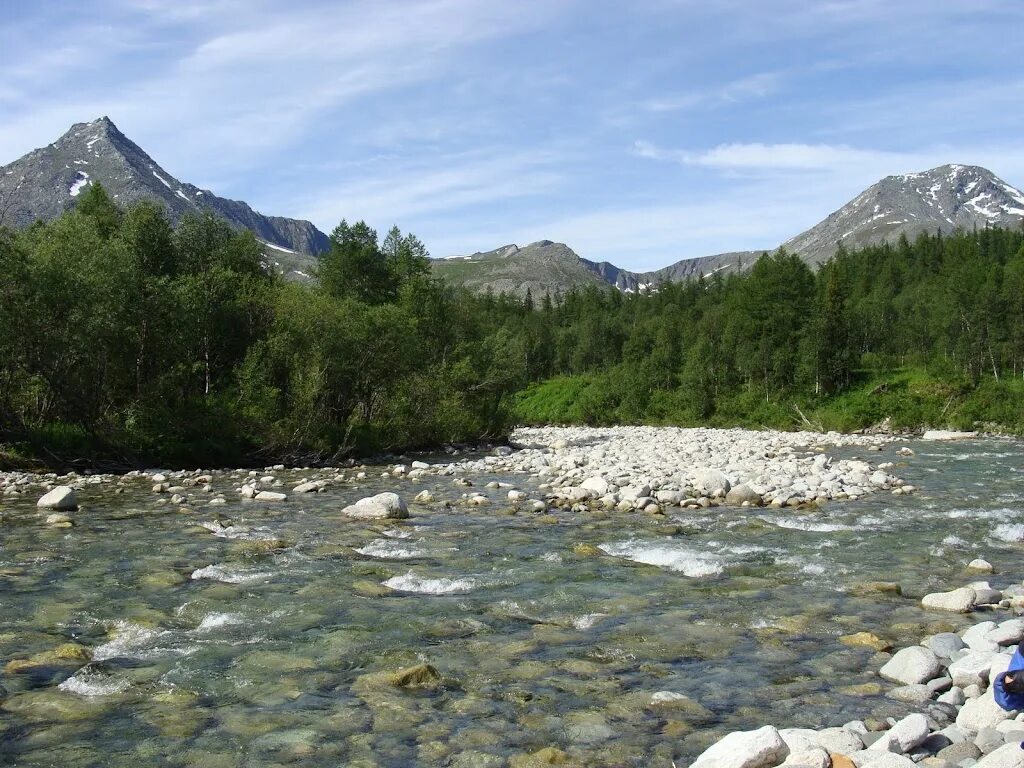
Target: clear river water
260, 642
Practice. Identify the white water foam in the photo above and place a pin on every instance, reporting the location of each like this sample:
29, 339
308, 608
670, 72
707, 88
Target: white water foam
386, 550
228, 574
412, 582
128, 639
218, 620
1009, 532
86, 682
798, 524
587, 621
689, 562
396, 533
238, 531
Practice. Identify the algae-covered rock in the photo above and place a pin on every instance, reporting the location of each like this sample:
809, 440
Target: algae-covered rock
866, 640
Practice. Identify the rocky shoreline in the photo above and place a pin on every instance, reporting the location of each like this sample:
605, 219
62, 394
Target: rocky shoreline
949, 675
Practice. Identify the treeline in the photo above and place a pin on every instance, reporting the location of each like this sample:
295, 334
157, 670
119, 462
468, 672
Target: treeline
929, 331
125, 339
121, 337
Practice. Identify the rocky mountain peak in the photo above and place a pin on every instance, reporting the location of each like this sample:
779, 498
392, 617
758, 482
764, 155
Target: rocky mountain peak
46, 182
939, 199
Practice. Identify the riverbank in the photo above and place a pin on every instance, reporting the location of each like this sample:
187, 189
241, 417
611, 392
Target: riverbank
949, 677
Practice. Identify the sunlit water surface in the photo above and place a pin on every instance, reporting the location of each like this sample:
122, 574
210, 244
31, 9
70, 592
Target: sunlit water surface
218, 650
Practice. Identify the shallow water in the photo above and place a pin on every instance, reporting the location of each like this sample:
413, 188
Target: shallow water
211, 647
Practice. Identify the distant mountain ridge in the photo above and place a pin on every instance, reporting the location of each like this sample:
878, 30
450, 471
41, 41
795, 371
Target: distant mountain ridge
46, 182
941, 199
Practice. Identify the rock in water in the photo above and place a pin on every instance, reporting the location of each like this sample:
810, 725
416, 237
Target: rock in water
958, 600
271, 496
743, 493
420, 676
745, 749
379, 507
911, 665
62, 498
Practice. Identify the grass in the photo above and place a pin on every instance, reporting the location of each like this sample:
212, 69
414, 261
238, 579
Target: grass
908, 398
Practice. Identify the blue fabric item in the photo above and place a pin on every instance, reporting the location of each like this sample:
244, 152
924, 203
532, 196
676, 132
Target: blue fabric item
1009, 701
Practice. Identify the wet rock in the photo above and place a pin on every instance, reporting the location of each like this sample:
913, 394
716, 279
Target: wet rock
424, 497
379, 507
271, 496
62, 498
310, 486
866, 640
741, 494
983, 566
957, 601
945, 644
59, 520
542, 757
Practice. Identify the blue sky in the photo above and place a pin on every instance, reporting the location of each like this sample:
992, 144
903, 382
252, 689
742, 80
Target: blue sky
639, 133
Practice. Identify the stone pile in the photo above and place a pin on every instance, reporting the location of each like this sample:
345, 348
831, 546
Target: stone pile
650, 468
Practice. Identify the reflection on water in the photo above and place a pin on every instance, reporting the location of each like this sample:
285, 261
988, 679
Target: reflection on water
252, 634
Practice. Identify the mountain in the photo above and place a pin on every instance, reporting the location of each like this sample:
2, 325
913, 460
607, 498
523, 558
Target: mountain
45, 182
944, 199
541, 267
941, 199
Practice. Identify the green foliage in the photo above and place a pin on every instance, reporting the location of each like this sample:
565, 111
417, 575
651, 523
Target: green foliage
122, 338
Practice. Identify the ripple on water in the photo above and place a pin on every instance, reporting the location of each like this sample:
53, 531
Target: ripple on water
813, 526
689, 562
388, 550
228, 574
1008, 532
90, 682
413, 582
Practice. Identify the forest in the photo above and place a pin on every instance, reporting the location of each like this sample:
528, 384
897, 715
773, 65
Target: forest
125, 339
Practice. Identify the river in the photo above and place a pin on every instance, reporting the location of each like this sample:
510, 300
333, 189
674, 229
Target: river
253, 634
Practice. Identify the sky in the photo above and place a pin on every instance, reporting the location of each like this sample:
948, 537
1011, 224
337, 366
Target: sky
639, 133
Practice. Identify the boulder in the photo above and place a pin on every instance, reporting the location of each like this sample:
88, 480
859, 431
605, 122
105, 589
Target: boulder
958, 600
810, 758
1007, 756
973, 668
271, 496
1009, 632
910, 731
984, 594
980, 565
311, 486
911, 665
62, 498
743, 493
596, 484
709, 480
745, 749
982, 712
382, 506
945, 644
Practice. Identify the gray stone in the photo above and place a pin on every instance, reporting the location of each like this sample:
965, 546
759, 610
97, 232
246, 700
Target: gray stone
760, 748
1007, 756
982, 712
945, 644
62, 498
379, 507
911, 665
957, 601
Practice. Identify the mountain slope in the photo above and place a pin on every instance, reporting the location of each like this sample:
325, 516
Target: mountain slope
541, 268
943, 198
45, 183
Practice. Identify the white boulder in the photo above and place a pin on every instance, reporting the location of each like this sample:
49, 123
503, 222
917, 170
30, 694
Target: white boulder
911, 665
382, 506
62, 498
960, 600
745, 749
